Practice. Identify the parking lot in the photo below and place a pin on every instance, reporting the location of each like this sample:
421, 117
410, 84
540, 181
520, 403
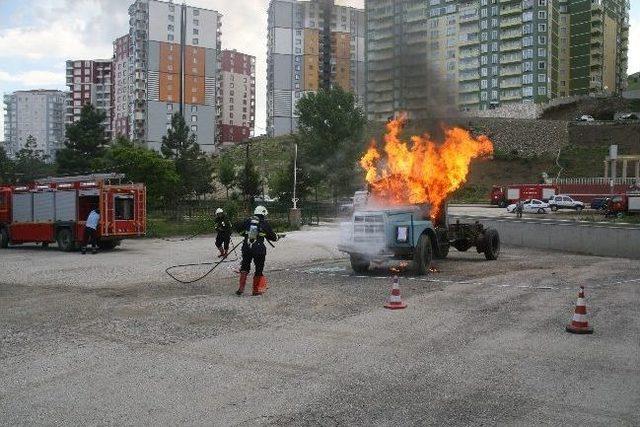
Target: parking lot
110, 339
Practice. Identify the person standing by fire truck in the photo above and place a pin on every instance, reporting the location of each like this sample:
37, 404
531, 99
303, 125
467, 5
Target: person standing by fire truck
255, 230
91, 231
223, 228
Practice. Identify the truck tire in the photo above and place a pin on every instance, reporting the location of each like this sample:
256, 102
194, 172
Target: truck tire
107, 245
502, 203
65, 240
359, 264
4, 238
541, 210
554, 207
423, 254
491, 244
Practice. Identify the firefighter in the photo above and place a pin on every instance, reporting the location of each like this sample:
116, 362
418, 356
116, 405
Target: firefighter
223, 228
519, 208
91, 231
255, 230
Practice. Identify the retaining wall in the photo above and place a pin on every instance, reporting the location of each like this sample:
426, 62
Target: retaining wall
568, 236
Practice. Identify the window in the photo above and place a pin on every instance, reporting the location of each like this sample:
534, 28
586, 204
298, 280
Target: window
169, 27
195, 31
542, 90
196, 12
194, 118
542, 51
169, 107
172, 8
194, 128
542, 65
542, 14
196, 41
527, 41
169, 118
194, 108
170, 37
171, 18
542, 28
542, 78
527, 29
542, 39
124, 207
542, 2
483, 84
527, 79
527, 66
527, 54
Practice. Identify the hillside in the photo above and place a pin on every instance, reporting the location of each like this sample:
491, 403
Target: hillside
634, 81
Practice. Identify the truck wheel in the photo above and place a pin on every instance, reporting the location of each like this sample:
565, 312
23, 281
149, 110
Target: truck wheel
359, 264
423, 254
554, 207
491, 244
107, 244
541, 210
4, 238
502, 203
462, 245
65, 240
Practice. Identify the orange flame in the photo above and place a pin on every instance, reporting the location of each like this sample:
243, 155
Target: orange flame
421, 172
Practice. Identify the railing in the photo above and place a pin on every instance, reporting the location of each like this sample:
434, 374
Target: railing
596, 180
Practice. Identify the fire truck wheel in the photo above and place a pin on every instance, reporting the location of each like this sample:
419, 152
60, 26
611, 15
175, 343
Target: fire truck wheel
4, 238
491, 244
502, 203
423, 254
65, 240
107, 244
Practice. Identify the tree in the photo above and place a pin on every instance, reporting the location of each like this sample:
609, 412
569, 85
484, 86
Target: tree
147, 166
282, 183
193, 167
6, 168
31, 162
331, 129
249, 180
85, 145
226, 172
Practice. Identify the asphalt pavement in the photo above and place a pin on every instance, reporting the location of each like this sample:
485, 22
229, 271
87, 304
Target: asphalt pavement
481, 342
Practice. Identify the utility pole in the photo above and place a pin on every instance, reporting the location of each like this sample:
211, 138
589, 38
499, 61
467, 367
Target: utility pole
295, 216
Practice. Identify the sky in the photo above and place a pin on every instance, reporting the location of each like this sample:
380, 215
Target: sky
38, 36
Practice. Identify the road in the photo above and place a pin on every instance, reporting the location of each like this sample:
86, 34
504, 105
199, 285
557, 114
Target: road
480, 342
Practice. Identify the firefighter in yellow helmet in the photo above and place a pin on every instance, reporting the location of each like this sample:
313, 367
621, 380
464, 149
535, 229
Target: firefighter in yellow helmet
255, 230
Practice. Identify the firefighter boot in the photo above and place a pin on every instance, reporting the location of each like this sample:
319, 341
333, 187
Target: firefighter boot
242, 283
221, 252
257, 285
264, 283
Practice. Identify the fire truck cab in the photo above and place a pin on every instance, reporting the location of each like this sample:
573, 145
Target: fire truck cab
54, 210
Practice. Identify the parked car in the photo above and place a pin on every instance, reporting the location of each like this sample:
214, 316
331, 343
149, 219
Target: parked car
598, 203
530, 206
562, 201
628, 117
585, 118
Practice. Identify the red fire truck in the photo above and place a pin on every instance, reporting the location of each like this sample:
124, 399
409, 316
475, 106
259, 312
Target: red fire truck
55, 209
502, 196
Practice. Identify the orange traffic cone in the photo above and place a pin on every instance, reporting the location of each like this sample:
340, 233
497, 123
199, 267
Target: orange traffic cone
579, 323
394, 302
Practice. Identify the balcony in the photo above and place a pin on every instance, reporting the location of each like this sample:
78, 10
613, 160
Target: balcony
511, 83
511, 46
509, 59
469, 40
511, 22
465, 77
510, 71
467, 89
511, 34
510, 10
511, 96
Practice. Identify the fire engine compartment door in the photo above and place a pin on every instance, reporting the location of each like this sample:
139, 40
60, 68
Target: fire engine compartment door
634, 203
513, 193
22, 207
66, 205
43, 206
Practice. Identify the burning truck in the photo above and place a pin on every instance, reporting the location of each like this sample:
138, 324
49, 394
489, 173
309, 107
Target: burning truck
404, 216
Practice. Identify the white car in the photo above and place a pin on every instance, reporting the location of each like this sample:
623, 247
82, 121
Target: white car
562, 201
530, 206
585, 118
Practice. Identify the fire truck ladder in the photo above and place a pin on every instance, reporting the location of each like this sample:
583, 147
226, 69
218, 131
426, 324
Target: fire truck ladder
91, 177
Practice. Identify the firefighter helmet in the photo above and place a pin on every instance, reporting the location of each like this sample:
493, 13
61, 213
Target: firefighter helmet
219, 211
260, 210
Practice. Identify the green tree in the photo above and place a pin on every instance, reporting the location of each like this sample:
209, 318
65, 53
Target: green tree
6, 168
147, 166
282, 183
249, 180
226, 173
331, 130
193, 167
31, 163
85, 145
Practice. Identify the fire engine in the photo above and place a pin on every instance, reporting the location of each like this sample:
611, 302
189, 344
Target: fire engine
54, 210
503, 196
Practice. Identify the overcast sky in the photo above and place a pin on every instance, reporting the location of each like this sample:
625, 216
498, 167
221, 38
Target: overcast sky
38, 36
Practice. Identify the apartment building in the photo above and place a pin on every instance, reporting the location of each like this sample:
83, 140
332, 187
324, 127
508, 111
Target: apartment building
90, 82
491, 53
37, 113
173, 63
311, 45
121, 87
236, 97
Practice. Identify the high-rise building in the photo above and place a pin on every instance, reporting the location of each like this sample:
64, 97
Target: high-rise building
173, 63
36, 113
487, 54
90, 82
311, 45
121, 86
236, 96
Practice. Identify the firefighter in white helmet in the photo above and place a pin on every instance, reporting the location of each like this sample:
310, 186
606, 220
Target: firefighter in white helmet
255, 230
223, 229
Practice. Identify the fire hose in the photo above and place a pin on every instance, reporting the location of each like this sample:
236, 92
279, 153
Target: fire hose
213, 265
